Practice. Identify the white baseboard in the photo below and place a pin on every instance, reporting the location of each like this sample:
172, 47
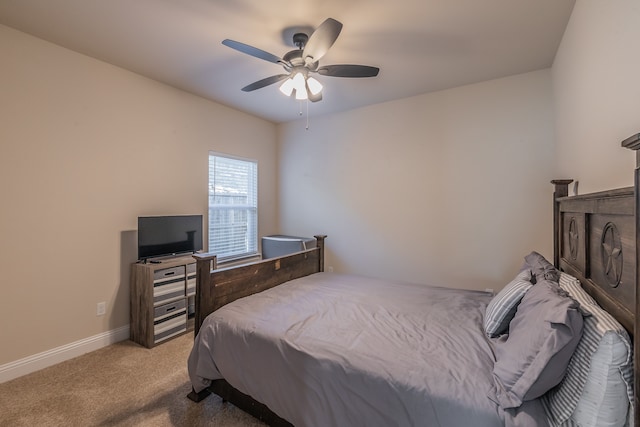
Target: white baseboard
48, 358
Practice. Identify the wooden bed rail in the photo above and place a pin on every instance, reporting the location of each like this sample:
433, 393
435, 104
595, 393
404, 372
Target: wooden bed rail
216, 287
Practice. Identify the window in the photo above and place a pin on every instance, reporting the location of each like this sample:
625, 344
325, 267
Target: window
233, 207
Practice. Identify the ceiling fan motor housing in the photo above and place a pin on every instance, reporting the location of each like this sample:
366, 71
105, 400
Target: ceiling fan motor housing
300, 40
294, 57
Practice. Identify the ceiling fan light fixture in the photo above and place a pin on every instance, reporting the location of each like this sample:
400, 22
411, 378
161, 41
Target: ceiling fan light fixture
315, 87
287, 87
298, 82
301, 95
300, 85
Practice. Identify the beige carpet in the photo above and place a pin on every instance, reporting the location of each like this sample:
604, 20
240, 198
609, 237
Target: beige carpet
120, 385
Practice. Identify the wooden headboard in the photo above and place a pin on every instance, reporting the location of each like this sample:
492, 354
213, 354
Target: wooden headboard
596, 240
595, 243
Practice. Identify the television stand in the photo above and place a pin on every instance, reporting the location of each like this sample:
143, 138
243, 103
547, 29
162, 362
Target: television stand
162, 298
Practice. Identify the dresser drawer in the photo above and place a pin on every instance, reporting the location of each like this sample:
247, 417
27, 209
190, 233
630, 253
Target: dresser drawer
170, 320
168, 310
168, 284
169, 273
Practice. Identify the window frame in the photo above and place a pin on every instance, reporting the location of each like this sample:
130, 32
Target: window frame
251, 208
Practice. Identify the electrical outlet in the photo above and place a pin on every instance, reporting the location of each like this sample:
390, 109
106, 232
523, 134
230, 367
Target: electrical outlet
330, 269
102, 309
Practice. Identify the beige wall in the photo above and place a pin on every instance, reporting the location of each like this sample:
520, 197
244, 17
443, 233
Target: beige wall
86, 148
596, 89
449, 188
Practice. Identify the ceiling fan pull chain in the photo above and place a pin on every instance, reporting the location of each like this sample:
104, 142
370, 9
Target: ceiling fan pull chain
307, 127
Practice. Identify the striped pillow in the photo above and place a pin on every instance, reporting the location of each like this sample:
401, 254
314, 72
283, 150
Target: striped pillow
503, 306
597, 364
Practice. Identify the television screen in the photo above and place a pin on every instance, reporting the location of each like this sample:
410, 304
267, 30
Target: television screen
160, 236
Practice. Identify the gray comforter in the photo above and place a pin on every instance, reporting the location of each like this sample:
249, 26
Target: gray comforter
342, 350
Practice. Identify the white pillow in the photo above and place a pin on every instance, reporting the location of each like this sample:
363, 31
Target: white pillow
502, 307
602, 360
604, 398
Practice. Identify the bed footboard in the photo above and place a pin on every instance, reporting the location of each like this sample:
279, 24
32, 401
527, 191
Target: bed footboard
216, 287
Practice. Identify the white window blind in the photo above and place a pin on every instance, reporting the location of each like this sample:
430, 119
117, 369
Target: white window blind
233, 207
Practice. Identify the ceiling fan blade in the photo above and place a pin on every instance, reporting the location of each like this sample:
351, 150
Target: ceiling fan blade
264, 82
253, 51
347, 70
321, 40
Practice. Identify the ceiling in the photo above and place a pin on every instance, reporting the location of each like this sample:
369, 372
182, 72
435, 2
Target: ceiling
420, 46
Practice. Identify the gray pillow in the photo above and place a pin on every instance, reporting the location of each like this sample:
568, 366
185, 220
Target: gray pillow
543, 334
541, 268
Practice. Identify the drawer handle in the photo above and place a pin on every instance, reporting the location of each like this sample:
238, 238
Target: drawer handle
170, 273
171, 309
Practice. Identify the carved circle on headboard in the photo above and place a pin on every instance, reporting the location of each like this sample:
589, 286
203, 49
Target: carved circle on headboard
573, 239
611, 254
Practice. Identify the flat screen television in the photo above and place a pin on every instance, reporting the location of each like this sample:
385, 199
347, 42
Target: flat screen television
163, 236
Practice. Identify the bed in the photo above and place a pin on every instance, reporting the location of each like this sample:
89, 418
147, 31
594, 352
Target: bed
310, 348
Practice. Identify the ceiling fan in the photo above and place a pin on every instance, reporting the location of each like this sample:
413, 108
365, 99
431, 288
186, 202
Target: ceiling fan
303, 61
